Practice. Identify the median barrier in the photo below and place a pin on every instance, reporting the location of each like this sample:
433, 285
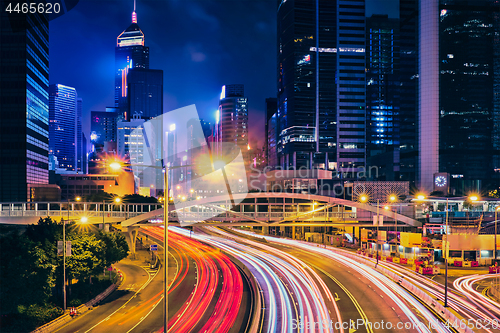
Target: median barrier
395, 260
383, 258
410, 261
474, 264
403, 261
457, 263
389, 259
443, 312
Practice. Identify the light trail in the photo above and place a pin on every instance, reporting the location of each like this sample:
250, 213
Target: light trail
386, 285
292, 291
207, 261
465, 285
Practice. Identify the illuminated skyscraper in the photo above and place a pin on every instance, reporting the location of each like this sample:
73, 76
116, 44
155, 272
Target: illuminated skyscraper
233, 110
24, 110
321, 84
63, 138
459, 79
130, 52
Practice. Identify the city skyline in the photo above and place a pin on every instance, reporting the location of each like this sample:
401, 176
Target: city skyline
208, 52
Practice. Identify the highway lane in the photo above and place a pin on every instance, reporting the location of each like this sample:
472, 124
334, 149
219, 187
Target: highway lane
354, 294
473, 314
215, 302
295, 297
137, 288
420, 317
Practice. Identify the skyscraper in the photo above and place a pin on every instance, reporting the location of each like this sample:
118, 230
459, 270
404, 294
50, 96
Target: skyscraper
383, 96
145, 92
63, 125
103, 127
321, 84
271, 127
459, 81
130, 52
233, 110
469, 86
24, 111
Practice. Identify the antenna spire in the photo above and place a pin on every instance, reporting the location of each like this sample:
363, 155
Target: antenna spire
134, 15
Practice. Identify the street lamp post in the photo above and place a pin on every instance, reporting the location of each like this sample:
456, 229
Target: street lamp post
495, 250
378, 222
165, 170
446, 253
165, 246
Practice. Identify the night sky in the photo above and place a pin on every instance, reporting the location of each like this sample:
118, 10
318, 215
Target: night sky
199, 44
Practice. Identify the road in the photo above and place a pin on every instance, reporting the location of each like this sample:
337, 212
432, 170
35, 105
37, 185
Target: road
217, 300
125, 307
199, 300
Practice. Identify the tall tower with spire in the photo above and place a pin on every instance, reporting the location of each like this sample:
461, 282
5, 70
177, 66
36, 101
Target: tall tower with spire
130, 52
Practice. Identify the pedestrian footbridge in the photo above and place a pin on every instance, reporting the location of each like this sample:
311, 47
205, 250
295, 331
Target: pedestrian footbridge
252, 209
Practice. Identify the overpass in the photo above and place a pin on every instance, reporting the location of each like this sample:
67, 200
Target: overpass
254, 209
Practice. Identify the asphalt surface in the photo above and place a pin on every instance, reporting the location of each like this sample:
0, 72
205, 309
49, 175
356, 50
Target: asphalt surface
125, 307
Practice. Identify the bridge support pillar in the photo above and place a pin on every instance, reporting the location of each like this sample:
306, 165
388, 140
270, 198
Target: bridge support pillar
293, 232
131, 236
265, 231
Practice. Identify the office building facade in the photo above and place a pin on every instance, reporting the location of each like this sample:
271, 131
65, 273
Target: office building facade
469, 85
130, 52
145, 92
233, 113
24, 110
271, 130
63, 126
459, 82
321, 84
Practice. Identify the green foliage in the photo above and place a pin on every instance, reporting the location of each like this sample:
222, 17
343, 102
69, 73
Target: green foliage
87, 256
30, 270
494, 193
137, 198
39, 314
116, 247
100, 197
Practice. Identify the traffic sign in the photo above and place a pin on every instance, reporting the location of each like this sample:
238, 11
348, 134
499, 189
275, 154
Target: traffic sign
153, 247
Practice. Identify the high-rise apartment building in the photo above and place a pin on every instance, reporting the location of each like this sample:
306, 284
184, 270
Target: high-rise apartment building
233, 112
24, 110
321, 84
63, 126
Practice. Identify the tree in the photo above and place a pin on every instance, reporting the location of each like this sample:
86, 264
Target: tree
87, 256
137, 198
27, 273
116, 247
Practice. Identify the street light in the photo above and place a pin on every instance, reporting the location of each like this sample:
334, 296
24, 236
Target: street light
495, 251
497, 208
84, 219
165, 169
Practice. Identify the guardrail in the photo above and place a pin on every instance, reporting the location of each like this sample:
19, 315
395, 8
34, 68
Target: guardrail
65, 318
444, 313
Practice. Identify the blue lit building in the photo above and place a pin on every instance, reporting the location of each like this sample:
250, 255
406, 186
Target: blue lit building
321, 84
233, 110
63, 123
130, 52
24, 111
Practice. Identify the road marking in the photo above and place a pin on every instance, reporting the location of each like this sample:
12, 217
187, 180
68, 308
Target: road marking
348, 293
